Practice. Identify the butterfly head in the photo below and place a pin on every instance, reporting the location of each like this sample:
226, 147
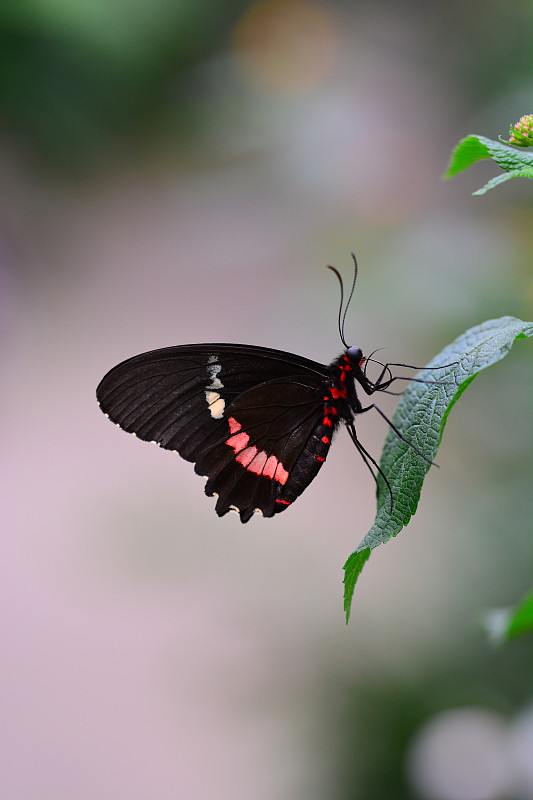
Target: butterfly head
355, 355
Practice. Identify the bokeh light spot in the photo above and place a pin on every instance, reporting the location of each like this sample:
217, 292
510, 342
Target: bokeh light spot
461, 754
286, 45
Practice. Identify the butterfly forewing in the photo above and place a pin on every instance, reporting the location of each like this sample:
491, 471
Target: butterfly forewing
247, 416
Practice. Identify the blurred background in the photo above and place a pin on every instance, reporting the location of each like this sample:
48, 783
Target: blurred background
182, 171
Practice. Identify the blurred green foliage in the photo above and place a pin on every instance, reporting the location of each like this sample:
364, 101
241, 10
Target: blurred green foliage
368, 725
79, 78
73, 76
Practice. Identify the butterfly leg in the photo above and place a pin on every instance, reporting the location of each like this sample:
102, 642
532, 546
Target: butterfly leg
400, 435
368, 459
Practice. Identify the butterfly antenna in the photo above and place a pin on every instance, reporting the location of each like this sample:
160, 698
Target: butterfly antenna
342, 316
351, 293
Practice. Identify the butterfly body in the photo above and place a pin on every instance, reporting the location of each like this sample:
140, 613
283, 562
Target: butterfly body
258, 423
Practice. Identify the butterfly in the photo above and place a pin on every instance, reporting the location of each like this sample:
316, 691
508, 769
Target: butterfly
258, 423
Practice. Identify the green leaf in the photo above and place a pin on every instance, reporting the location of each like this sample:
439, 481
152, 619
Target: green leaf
352, 570
527, 172
474, 148
420, 417
505, 624
515, 162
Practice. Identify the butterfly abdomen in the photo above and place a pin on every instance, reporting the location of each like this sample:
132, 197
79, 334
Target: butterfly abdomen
312, 456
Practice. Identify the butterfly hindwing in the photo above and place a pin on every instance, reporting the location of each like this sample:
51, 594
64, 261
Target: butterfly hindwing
269, 427
251, 418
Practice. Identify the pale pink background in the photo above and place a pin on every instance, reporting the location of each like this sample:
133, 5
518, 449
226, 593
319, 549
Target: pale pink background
149, 649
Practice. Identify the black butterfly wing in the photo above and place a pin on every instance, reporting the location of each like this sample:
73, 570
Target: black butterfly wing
246, 415
270, 451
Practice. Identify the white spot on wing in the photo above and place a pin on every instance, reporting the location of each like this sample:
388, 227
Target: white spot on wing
217, 408
212, 372
215, 402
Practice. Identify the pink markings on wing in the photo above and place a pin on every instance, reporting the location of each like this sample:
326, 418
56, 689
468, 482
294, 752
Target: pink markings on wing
234, 426
238, 442
247, 455
269, 470
252, 459
268, 466
281, 474
258, 463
